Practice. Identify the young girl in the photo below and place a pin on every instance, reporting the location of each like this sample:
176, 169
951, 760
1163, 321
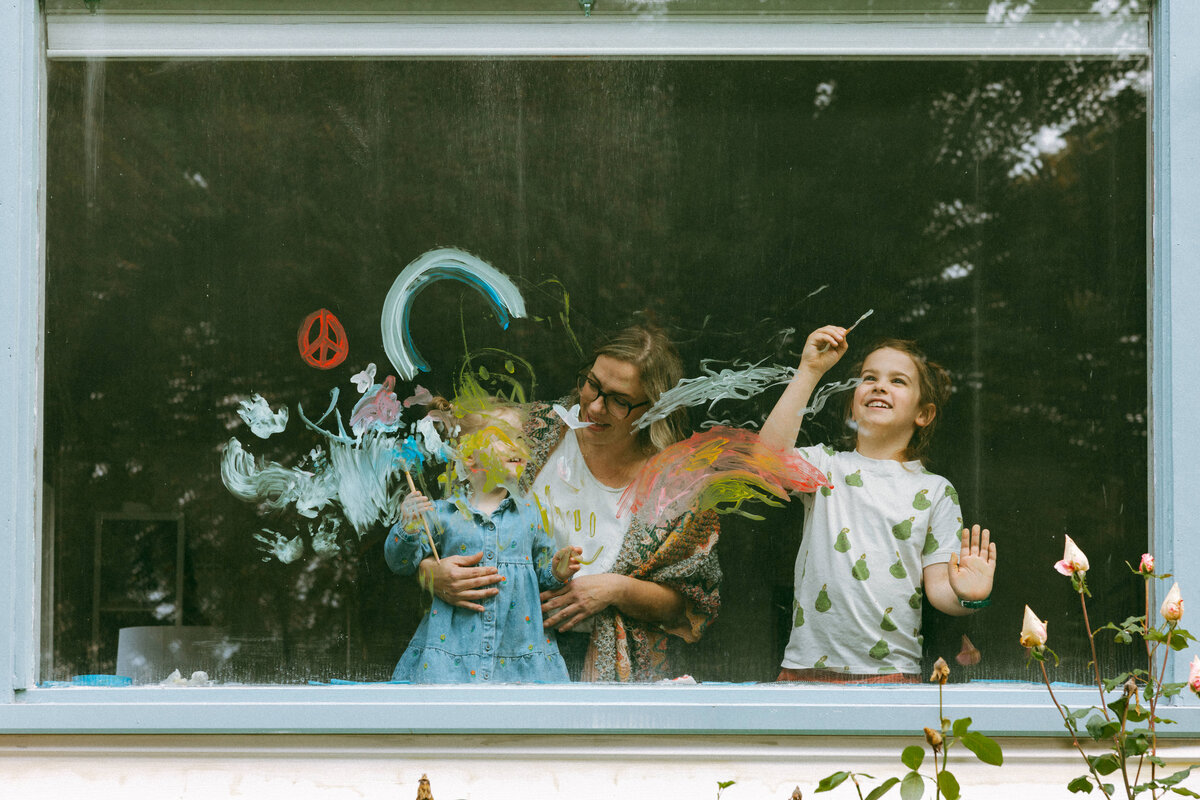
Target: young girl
888, 530
504, 640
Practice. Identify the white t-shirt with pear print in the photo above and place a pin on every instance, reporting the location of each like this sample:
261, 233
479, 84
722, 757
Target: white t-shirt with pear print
857, 601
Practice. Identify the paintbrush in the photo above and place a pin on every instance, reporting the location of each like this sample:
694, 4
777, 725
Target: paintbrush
823, 347
413, 488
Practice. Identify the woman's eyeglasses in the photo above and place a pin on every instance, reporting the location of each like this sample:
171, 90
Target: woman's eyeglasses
617, 406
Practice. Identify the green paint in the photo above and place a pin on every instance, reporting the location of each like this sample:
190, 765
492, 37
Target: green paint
823, 604
903, 530
859, 570
855, 478
826, 490
897, 570
952, 493
880, 651
930, 543
886, 623
843, 541
828, 450
820, 663
915, 600
798, 619
921, 502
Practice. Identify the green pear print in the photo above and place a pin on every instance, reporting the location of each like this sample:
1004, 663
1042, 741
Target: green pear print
843, 541
825, 490
915, 600
855, 478
903, 530
886, 623
798, 620
823, 603
952, 493
859, 570
930, 543
828, 450
880, 651
921, 502
897, 570
820, 663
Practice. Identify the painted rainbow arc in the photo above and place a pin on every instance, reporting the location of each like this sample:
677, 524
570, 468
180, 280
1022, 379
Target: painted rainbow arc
446, 263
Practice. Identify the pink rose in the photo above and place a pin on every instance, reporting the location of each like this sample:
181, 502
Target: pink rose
1194, 675
1172, 607
1073, 559
1033, 630
1146, 566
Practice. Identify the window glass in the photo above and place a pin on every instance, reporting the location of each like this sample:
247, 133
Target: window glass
199, 212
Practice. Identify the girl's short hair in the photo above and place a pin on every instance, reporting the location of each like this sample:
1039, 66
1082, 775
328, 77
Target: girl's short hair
649, 349
933, 384
469, 414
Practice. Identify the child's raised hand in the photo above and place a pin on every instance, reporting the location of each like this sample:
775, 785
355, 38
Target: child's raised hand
413, 507
566, 562
971, 571
823, 348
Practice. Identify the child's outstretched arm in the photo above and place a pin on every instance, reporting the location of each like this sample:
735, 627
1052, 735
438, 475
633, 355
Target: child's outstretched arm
822, 350
967, 576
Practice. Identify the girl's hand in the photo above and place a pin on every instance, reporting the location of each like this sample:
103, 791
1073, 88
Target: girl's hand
413, 508
457, 581
583, 596
971, 571
566, 563
823, 348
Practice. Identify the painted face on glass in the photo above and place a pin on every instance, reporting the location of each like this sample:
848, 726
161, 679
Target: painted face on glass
889, 398
611, 398
497, 450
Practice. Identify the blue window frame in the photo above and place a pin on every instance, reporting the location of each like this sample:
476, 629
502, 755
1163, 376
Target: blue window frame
1015, 710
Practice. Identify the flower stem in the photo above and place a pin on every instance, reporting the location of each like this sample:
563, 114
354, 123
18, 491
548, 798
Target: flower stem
1074, 738
1095, 661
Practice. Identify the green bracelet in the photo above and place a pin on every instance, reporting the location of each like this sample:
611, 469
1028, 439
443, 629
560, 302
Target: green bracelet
984, 603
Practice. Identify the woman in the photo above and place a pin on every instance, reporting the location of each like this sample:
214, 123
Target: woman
643, 583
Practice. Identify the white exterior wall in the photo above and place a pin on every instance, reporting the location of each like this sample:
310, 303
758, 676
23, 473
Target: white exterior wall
579, 766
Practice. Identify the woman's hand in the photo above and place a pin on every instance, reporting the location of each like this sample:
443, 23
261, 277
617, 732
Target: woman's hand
584, 596
566, 563
972, 570
457, 581
823, 348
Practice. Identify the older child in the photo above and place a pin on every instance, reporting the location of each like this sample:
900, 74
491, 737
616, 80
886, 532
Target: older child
888, 530
506, 642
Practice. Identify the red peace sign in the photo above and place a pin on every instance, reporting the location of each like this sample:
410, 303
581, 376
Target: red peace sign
330, 346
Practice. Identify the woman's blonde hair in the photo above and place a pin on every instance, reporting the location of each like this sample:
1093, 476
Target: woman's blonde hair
659, 367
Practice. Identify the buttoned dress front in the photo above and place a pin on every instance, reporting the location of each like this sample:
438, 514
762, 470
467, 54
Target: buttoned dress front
505, 643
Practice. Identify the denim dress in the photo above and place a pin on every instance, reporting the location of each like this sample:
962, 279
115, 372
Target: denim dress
505, 643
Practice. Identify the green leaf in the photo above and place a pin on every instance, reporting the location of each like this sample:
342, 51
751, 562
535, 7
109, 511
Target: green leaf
1184, 791
1137, 743
1112, 683
1109, 789
1080, 713
985, 749
948, 784
1100, 729
832, 781
1172, 689
1105, 764
882, 789
1136, 714
912, 787
1080, 784
961, 726
1171, 780
725, 784
912, 756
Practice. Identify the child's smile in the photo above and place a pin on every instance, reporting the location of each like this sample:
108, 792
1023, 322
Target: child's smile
888, 401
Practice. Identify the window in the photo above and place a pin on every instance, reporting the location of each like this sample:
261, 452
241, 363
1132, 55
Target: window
197, 211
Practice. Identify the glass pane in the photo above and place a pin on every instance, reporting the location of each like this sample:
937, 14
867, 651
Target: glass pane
200, 212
